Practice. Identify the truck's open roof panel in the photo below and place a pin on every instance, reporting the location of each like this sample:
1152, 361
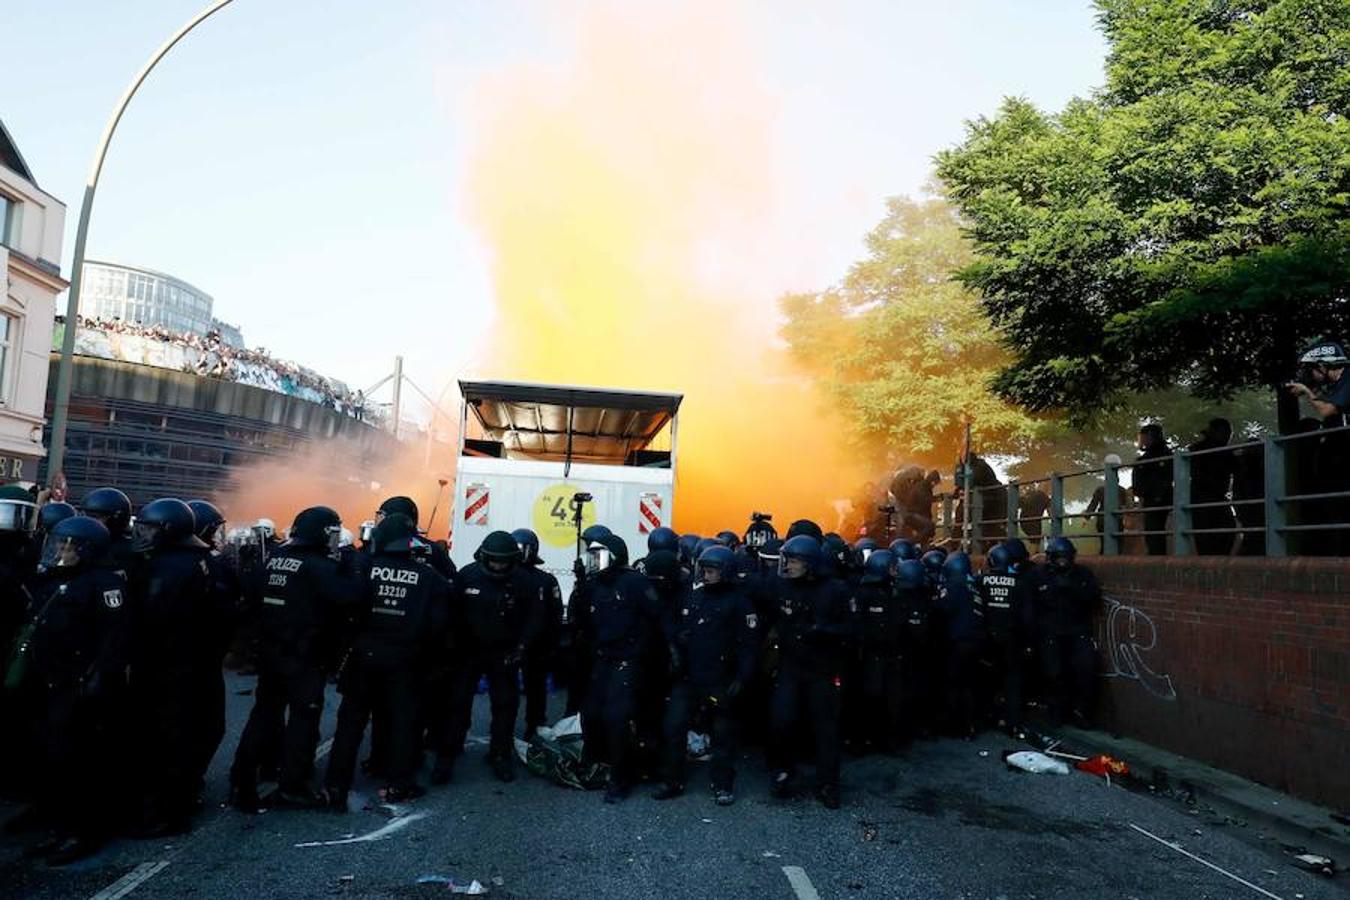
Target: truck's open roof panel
557, 421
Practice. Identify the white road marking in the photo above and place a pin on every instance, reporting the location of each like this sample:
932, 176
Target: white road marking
322, 750
130, 881
1205, 862
378, 834
801, 885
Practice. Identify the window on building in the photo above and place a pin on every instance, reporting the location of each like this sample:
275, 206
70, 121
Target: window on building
9, 220
7, 330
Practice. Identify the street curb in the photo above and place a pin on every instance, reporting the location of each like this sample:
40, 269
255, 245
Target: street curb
1285, 820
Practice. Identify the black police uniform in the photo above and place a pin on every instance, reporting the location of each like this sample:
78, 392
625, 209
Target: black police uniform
1009, 626
495, 619
616, 614
918, 661
1066, 601
964, 621
174, 673
811, 640
300, 592
716, 634
540, 655
81, 645
882, 621
226, 595
403, 615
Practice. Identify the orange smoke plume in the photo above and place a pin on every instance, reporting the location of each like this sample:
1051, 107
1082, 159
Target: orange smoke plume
625, 196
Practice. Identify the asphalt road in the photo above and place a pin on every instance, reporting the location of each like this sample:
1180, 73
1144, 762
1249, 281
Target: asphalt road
943, 821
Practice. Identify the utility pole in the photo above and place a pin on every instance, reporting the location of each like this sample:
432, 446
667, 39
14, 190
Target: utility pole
56, 452
398, 390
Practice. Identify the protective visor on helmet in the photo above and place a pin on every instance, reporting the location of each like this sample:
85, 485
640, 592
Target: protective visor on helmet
332, 539
62, 552
145, 536
18, 515
598, 558
793, 567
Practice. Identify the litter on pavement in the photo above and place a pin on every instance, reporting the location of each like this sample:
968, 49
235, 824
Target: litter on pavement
1035, 763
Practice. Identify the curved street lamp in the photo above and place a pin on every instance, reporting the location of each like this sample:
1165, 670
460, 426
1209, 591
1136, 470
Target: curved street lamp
56, 453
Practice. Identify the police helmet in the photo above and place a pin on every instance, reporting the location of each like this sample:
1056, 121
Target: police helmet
52, 513
498, 554
998, 559
528, 542
932, 562
163, 523
804, 549
605, 553
911, 575
617, 548
863, 547
1017, 551
110, 506
317, 526
404, 506
1060, 550
267, 528
18, 512
836, 550
716, 564
957, 566
688, 547
876, 568
662, 567
806, 527
75, 541
663, 539
208, 518
769, 553
395, 533
702, 545
904, 549
728, 539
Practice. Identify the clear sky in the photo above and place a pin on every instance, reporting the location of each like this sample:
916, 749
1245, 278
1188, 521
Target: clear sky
305, 161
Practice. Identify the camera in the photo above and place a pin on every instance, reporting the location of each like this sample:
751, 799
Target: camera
582, 497
761, 517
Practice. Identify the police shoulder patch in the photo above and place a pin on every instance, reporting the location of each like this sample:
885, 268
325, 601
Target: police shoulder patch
752, 621
113, 598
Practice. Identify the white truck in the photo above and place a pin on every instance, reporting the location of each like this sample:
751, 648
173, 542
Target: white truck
558, 459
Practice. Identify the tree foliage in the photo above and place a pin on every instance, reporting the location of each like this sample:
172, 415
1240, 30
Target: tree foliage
904, 349
1185, 225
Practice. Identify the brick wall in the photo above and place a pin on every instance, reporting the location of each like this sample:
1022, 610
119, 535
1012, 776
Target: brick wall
1241, 663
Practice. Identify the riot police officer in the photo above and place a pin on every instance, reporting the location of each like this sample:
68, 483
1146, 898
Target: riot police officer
809, 641
918, 656
497, 616
223, 600
79, 650
617, 611
301, 591
539, 656
1066, 600
48, 517
716, 634
174, 669
881, 635
659, 539
964, 623
18, 562
1008, 627
402, 616
113, 508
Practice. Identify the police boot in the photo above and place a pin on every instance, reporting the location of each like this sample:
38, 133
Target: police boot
670, 791
503, 767
245, 799
829, 796
443, 770
616, 791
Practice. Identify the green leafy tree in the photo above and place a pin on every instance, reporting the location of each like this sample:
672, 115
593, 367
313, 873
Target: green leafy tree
904, 349
1186, 226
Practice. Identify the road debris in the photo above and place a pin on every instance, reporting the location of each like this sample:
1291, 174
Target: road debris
1034, 762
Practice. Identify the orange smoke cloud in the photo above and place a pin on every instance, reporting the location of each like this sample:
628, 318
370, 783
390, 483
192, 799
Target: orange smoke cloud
625, 197
352, 477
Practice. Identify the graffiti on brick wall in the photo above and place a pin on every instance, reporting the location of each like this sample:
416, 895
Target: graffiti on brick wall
1130, 637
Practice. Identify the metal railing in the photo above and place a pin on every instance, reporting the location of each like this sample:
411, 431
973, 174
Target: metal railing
1286, 495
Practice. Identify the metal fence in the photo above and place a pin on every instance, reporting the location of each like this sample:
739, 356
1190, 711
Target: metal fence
1282, 496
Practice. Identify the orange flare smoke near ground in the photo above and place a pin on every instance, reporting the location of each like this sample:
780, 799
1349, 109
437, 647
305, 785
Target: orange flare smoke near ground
625, 197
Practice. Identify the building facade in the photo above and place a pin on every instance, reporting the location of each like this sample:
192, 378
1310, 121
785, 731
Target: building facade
32, 225
143, 297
